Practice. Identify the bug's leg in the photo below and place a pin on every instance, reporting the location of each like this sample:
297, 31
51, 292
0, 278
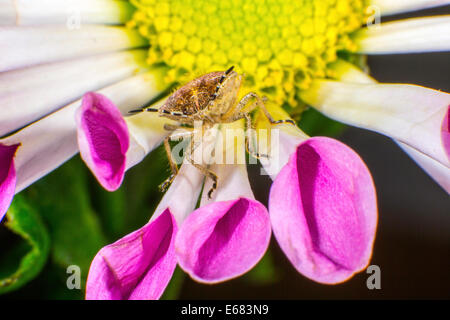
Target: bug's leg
178, 132
214, 178
269, 116
206, 172
171, 127
173, 166
250, 139
236, 112
260, 103
186, 133
203, 116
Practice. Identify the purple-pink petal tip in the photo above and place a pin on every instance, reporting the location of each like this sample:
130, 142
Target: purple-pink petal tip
324, 212
103, 139
7, 177
223, 240
137, 267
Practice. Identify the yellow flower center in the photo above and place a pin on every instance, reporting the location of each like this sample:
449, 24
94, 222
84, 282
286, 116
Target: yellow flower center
280, 45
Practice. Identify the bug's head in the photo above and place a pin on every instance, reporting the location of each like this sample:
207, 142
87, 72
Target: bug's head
197, 94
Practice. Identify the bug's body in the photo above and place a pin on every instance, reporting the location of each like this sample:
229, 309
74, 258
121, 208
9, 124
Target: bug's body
211, 99
207, 99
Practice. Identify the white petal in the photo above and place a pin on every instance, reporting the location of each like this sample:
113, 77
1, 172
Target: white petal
439, 172
388, 7
64, 12
25, 46
232, 183
430, 34
410, 114
182, 196
345, 71
45, 145
231, 171
146, 129
278, 142
28, 94
7, 12
146, 133
49, 142
284, 141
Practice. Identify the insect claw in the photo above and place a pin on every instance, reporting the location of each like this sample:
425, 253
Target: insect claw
291, 122
210, 192
163, 186
259, 155
213, 188
284, 121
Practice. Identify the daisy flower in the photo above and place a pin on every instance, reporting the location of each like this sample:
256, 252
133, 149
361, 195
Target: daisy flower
70, 72
322, 210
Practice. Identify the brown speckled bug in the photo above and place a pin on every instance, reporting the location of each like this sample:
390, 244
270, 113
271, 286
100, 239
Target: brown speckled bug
211, 99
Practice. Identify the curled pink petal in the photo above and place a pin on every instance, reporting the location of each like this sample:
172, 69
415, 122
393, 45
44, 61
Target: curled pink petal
7, 177
137, 267
223, 240
323, 211
445, 132
103, 139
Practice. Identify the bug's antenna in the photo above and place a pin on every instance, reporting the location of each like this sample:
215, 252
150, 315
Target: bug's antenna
136, 111
223, 77
143, 110
229, 70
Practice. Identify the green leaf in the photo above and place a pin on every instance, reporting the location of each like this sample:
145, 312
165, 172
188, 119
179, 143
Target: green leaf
32, 251
142, 188
175, 285
265, 272
131, 206
314, 123
62, 198
111, 208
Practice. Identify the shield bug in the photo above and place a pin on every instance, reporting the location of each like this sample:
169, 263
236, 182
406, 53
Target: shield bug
211, 99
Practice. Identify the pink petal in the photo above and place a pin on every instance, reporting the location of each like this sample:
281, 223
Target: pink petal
7, 177
103, 139
445, 132
223, 240
138, 266
323, 211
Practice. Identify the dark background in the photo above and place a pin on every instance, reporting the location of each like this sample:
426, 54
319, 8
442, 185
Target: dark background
412, 246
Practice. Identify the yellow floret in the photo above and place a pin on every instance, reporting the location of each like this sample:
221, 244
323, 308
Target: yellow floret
280, 45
